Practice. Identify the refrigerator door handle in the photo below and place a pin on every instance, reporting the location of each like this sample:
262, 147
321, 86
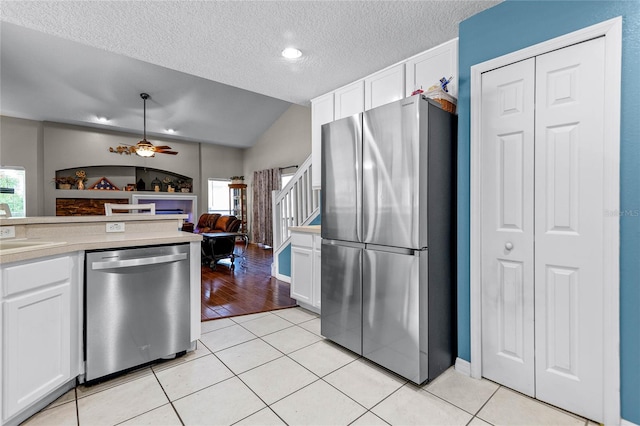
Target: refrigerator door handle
397, 250
352, 244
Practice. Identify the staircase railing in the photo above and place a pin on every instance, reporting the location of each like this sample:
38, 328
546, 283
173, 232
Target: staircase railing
296, 204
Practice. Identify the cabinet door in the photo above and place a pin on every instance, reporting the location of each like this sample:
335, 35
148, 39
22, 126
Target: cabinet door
428, 68
317, 268
384, 87
301, 274
321, 113
349, 100
37, 345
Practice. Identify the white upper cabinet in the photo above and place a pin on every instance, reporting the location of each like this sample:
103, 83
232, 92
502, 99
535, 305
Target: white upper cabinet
321, 113
426, 69
349, 100
391, 84
384, 87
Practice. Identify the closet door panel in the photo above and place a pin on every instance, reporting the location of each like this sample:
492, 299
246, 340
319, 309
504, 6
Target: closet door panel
569, 218
507, 226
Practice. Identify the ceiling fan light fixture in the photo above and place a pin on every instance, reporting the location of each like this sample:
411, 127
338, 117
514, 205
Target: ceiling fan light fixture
291, 53
144, 148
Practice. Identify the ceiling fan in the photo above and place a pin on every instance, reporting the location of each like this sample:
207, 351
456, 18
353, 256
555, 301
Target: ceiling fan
144, 148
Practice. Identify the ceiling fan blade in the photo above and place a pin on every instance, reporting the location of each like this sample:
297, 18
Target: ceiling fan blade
167, 152
163, 147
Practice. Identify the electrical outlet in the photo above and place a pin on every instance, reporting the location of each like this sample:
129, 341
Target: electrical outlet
115, 227
7, 232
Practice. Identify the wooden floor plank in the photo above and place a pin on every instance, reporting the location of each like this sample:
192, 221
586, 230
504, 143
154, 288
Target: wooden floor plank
244, 290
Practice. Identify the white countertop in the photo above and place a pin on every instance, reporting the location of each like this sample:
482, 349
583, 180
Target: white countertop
86, 219
312, 229
79, 233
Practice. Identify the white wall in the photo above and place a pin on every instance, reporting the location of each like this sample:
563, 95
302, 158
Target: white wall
68, 146
44, 147
287, 142
21, 145
218, 162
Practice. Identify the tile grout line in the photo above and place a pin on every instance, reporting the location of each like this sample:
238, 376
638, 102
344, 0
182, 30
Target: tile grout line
455, 405
75, 394
486, 402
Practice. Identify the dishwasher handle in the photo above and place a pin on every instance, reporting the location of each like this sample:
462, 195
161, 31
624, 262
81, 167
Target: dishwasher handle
141, 261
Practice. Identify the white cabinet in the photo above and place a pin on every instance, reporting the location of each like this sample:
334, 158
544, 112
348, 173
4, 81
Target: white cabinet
321, 113
384, 87
349, 100
391, 84
317, 255
305, 269
426, 69
41, 329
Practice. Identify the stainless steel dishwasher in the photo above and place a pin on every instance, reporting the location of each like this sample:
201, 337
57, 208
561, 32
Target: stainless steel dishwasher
136, 307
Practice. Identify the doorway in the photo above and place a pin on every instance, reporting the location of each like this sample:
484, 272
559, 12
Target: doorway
529, 327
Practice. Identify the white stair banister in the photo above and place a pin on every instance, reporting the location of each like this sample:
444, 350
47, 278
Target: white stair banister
296, 204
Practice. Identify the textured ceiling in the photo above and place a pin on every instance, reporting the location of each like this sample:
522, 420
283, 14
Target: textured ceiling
237, 43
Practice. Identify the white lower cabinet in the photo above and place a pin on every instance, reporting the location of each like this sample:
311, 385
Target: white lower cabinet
41, 322
317, 245
305, 269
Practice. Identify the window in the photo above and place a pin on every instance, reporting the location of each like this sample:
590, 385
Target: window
12, 190
219, 196
284, 179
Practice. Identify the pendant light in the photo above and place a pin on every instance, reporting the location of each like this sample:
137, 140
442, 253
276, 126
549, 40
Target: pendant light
144, 148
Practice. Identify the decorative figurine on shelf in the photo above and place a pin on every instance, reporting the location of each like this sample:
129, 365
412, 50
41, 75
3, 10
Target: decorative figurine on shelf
237, 179
82, 176
140, 185
417, 91
444, 82
167, 184
156, 184
64, 182
184, 185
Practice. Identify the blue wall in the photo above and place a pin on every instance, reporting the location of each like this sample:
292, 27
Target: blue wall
284, 261
284, 258
514, 25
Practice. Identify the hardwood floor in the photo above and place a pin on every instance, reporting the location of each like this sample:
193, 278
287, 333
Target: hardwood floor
245, 290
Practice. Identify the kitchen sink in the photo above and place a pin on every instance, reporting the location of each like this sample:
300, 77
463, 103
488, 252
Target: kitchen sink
20, 245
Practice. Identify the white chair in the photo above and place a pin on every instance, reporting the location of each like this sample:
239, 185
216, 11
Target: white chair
132, 208
5, 211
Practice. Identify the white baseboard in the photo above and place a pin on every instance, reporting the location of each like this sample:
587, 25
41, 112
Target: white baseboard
463, 367
624, 422
284, 278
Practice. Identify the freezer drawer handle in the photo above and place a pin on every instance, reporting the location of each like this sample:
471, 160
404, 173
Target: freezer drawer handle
138, 262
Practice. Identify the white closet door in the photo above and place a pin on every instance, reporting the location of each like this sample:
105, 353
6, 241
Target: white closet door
507, 226
569, 214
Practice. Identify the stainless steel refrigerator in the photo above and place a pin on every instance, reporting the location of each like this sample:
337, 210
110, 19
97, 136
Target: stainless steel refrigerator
387, 227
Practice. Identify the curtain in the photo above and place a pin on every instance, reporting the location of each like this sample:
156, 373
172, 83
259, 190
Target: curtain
264, 181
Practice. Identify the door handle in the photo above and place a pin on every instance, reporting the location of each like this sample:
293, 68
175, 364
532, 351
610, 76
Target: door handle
508, 246
128, 263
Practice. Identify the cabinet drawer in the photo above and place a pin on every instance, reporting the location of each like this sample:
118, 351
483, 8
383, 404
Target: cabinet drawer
28, 276
302, 239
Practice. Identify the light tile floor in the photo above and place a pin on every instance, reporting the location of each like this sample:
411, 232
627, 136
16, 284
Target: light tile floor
274, 369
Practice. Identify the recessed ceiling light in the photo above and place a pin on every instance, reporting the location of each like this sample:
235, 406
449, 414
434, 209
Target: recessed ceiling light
291, 53
171, 131
102, 119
